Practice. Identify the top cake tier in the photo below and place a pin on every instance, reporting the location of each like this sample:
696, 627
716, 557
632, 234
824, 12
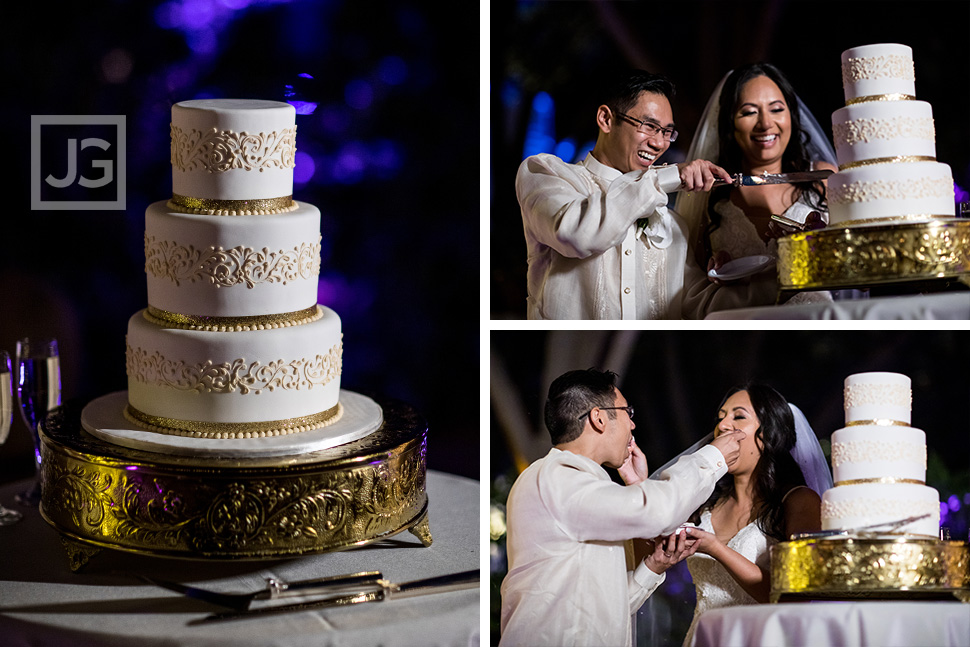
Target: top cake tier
874, 72
233, 156
878, 398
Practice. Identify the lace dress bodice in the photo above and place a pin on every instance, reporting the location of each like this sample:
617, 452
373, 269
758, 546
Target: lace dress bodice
715, 586
737, 235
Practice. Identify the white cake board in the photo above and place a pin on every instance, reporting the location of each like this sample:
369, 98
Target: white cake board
104, 418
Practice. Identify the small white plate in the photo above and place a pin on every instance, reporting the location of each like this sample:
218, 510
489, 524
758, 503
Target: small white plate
742, 267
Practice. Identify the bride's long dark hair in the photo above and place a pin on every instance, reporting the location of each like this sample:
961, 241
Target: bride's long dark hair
795, 157
777, 472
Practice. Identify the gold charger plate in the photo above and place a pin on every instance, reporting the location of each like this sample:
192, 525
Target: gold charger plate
862, 256
852, 569
99, 495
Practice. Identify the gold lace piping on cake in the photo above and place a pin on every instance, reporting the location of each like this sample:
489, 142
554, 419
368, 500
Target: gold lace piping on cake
895, 96
866, 129
884, 479
905, 189
214, 207
235, 376
224, 430
867, 451
218, 151
891, 66
857, 395
898, 159
882, 422
224, 268
232, 324
884, 508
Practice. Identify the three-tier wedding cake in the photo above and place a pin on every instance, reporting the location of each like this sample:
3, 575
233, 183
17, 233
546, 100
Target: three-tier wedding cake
885, 144
879, 462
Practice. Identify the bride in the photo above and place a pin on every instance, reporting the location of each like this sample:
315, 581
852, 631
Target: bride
770, 493
754, 122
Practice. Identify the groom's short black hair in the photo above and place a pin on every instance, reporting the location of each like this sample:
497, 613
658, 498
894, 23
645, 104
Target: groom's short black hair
622, 93
573, 394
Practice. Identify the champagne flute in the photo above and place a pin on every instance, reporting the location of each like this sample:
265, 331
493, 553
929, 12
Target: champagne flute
7, 517
38, 391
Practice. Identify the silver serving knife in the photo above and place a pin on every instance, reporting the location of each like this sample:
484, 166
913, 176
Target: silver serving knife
276, 588
774, 178
378, 592
888, 526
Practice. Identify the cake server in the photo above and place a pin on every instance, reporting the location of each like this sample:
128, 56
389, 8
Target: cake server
378, 592
766, 178
276, 588
888, 526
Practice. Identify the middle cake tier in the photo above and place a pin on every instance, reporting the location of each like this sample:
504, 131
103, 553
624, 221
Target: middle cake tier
232, 384
205, 267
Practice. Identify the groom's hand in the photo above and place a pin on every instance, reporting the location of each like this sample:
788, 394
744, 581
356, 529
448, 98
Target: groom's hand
700, 175
729, 444
634, 468
670, 550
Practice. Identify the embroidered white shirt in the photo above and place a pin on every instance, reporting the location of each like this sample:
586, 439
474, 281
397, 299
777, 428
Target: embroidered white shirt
568, 523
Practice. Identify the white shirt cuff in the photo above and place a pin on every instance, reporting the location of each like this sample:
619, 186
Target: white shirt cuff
647, 579
668, 178
715, 458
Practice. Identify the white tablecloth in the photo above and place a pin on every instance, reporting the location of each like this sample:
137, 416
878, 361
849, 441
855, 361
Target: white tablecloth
948, 305
837, 624
42, 602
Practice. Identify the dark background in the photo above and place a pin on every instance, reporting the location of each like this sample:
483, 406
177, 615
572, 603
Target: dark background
558, 51
675, 381
390, 139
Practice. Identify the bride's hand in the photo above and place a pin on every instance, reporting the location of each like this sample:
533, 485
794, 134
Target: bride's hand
670, 550
634, 468
705, 541
715, 263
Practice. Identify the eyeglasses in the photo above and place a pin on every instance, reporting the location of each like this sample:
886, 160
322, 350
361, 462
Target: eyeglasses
629, 411
650, 128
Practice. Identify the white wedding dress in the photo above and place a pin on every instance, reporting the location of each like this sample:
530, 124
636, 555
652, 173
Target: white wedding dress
715, 586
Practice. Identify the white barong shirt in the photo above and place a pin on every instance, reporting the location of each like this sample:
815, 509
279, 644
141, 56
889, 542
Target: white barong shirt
567, 583
590, 259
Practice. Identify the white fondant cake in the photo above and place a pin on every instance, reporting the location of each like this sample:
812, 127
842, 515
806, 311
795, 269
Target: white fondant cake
879, 461
233, 343
885, 144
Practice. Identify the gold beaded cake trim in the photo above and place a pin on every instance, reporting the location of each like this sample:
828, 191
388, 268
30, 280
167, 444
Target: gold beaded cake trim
880, 422
213, 207
884, 479
232, 324
224, 430
916, 217
898, 159
895, 96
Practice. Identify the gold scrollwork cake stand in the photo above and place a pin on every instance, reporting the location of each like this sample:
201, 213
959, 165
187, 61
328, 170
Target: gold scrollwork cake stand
870, 569
100, 495
863, 256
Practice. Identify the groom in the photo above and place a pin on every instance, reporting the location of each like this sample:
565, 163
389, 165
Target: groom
568, 583
600, 242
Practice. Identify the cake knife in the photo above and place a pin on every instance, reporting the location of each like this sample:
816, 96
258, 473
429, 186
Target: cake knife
888, 525
378, 592
766, 178
276, 588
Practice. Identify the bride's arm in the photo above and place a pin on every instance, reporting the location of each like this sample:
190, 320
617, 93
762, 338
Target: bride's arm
755, 581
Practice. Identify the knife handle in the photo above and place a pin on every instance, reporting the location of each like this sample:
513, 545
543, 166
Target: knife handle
441, 584
336, 585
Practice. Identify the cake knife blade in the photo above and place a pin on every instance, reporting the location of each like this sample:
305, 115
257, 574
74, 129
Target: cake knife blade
332, 586
381, 591
888, 526
765, 179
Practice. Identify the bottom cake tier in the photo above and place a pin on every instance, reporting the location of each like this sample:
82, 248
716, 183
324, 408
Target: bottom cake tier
862, 505
101, 495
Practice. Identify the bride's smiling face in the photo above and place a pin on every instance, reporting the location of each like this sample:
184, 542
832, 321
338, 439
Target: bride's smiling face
762, 123
737, 414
